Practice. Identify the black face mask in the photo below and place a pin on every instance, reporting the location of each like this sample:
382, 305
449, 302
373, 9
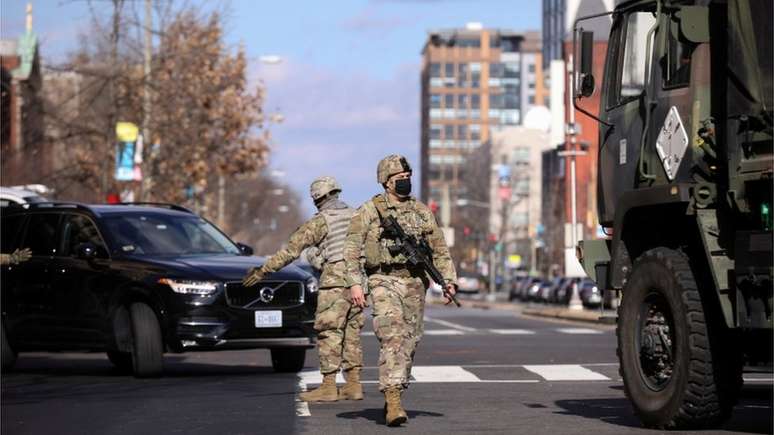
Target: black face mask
403, 186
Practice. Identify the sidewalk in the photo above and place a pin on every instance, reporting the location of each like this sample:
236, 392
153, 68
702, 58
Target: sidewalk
500, 302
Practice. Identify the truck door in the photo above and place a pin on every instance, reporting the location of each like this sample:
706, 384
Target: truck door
623, 105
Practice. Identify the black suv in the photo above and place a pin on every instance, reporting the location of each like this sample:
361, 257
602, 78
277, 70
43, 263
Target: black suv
137, 280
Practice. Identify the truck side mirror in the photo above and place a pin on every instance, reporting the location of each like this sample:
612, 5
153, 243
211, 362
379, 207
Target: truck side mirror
586, 86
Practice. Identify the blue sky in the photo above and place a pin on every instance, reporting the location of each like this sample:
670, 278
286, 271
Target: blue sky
348, 85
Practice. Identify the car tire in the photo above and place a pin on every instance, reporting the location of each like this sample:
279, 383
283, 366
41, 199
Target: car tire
147, 346
121, 360
288, 360
8, 354
673, 367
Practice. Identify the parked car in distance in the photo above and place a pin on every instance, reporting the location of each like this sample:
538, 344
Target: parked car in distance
138, 280
589, 293
468, 283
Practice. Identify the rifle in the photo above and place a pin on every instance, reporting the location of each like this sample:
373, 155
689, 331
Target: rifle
416, 250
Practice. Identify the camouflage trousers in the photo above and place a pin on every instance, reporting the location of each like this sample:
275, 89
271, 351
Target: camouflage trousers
398, 309
338, 324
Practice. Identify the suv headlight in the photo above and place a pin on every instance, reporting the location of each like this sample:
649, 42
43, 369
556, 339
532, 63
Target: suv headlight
312, 285
188, 287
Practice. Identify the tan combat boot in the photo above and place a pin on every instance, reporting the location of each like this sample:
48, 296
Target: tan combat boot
394, 413
326, 392
352, 390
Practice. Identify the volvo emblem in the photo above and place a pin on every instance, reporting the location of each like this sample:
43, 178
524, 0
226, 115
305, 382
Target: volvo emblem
266, 294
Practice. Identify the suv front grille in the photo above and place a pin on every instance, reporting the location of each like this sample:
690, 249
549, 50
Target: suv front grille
265, 294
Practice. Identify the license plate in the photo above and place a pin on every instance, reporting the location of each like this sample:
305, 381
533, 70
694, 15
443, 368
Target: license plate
268, 319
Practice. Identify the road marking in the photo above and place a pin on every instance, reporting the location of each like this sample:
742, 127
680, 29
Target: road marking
315, 377
566, 372
302, 408
442, 374
579, 331
443, 332
450, 324
512, 331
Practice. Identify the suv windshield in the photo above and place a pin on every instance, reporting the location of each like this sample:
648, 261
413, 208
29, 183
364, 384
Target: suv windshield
160, 234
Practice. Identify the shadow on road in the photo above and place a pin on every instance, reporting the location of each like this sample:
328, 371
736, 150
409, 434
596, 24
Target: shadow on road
751, 415
377, 415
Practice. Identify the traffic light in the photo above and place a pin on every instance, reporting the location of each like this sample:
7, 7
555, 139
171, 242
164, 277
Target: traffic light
433, 206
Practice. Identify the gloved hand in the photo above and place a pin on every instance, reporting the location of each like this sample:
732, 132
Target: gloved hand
20, 255
253, 276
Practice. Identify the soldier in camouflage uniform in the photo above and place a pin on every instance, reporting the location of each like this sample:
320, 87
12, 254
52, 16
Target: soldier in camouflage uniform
337, 321
397, 289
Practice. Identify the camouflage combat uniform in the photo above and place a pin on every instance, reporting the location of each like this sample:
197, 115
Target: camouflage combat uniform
337, 321
397, 290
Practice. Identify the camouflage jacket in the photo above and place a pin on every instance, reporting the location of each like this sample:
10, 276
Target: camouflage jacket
311, 233
364, 238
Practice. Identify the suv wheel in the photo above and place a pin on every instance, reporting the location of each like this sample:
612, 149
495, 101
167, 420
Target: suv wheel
288, 360
147, 348
8, 354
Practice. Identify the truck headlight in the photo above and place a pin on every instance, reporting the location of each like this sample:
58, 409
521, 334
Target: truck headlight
188, 287
312, 285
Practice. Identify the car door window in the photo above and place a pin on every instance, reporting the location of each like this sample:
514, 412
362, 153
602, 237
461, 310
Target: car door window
633, 74
41, 233
79, 229
11, 225
678, 57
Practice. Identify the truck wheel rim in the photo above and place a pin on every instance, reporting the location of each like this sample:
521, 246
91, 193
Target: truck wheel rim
655, 341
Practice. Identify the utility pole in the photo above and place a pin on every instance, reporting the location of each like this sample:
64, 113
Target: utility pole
147, 182
110, 130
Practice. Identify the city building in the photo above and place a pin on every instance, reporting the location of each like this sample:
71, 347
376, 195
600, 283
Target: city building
474, 81
515, 188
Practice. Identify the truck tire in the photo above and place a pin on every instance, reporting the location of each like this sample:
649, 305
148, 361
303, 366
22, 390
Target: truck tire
288, 360
8, 354
147, 347
671, 364
121, 360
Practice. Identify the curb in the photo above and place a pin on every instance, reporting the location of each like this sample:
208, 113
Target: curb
585, 315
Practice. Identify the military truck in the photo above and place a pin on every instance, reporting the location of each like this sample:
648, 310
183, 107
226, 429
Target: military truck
685, 192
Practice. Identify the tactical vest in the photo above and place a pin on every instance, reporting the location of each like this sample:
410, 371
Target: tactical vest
337, 221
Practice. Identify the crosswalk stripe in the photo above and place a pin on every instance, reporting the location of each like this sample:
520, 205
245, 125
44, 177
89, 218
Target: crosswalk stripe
512, 331
450, 324
315, 377
579, 331
565, 372
442, 374
443, 332
302, 408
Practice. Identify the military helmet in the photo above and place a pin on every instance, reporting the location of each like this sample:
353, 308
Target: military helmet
391, 165
323, 186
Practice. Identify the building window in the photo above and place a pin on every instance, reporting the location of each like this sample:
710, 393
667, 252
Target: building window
531, 68
462, 132
448, 101
462, 74
469, 42
435, 101
678, 57
475, 132
462, 101
531, 99
475, 101
448, 70
435, 131
496, 70
509, 45
511, 101
448, 132
511, 70
496, 101
435, 69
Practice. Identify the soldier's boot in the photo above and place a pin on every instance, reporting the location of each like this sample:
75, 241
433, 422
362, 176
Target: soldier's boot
326, 392
352, 390
394, 413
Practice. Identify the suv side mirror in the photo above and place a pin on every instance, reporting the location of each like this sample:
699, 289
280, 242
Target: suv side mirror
86, 251
246, 250
586, 87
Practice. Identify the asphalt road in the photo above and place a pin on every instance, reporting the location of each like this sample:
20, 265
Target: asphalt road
476, 371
